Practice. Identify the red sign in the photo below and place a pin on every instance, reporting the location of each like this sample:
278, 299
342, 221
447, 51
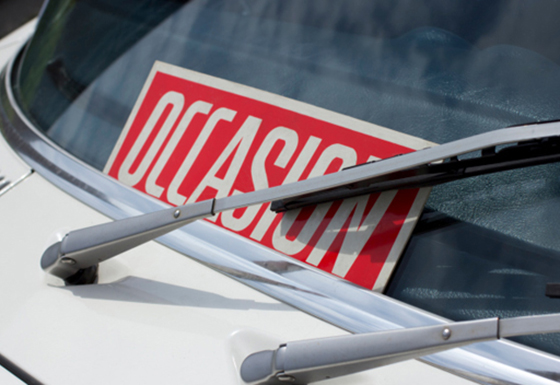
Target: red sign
193, 137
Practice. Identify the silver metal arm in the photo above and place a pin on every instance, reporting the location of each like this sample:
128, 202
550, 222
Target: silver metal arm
302, 362
76, 257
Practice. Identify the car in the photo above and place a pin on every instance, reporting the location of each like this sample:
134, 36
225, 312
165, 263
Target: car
334, 187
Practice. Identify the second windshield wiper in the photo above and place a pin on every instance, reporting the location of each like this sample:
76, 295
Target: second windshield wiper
76, 257
302, 362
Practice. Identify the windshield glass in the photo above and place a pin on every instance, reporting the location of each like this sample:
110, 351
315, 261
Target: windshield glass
432, 69
443, 71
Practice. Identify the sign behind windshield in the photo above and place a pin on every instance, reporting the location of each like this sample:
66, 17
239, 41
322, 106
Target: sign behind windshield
192, 137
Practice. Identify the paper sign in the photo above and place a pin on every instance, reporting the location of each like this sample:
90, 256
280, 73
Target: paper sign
192, 137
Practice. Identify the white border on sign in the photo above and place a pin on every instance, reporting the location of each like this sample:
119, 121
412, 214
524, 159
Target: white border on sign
402, 238
366, 128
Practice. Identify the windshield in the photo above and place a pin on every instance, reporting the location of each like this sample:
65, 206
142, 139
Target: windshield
435, 70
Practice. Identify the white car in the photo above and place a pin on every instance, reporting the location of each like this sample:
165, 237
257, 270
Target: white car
351, 192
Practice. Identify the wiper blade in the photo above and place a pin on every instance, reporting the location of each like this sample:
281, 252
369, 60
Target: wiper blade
302, 362
442, 166
76, 257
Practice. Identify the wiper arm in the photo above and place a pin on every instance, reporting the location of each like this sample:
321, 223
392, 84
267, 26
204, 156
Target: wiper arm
75, 258
302, 362
441, 165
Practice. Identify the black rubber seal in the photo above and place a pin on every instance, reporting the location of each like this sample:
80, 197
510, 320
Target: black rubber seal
553, 290
18, 372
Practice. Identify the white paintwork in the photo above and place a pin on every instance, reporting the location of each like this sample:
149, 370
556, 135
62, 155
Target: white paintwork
155, 317
12, 169
10, 44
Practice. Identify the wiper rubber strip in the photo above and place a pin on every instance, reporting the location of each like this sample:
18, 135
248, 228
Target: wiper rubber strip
485, 159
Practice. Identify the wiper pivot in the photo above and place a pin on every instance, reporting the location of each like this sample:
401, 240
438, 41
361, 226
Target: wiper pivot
76, 257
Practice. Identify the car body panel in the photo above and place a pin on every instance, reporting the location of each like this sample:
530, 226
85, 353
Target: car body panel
11, 44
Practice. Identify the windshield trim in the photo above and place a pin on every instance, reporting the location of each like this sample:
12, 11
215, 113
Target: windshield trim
308, 289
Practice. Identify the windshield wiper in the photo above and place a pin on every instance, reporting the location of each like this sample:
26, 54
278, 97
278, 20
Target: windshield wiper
438, 169
76, 257
302, 362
